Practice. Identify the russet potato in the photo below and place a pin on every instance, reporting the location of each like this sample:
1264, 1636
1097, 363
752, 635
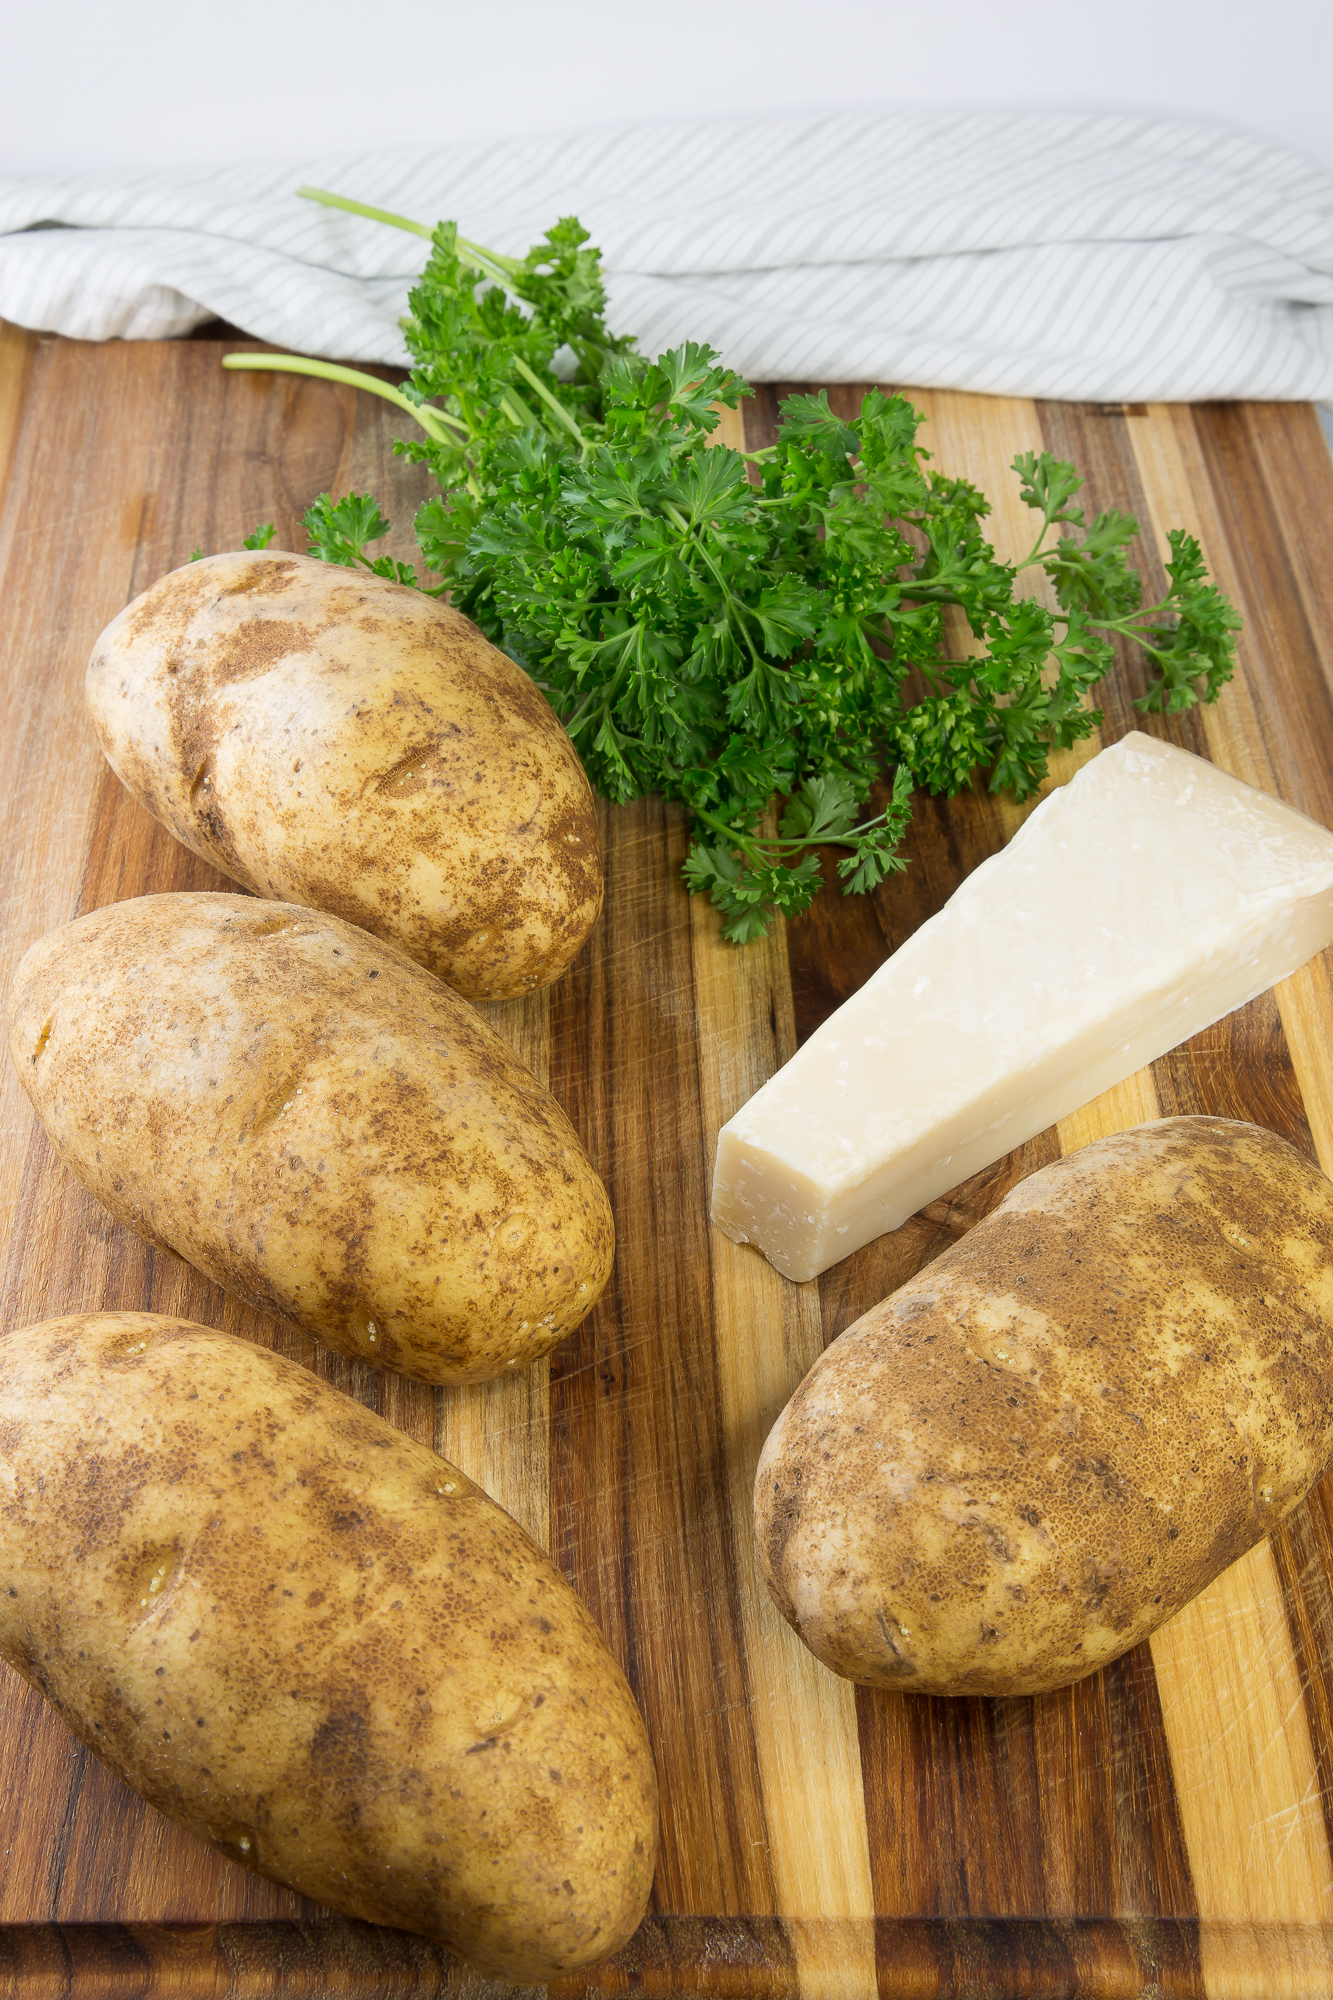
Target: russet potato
324, 736
316, 1644
314, 1121
1029, 1456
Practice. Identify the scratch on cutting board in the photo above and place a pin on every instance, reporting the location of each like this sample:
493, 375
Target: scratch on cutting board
1294, 1814
1204, 1780
1310, 1567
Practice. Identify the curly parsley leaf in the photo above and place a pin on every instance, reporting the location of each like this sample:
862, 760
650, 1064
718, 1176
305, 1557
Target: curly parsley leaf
339, 531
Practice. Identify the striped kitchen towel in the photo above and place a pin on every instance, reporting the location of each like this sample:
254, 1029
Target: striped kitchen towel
1090, 257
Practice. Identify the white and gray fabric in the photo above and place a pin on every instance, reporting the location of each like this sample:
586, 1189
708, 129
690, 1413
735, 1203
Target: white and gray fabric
1098, 258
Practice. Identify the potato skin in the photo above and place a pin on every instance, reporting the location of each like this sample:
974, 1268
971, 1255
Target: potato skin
1028, 1457
311, 1119
316, 1644
326, 737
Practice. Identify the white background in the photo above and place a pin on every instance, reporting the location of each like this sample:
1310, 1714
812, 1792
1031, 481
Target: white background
92, 84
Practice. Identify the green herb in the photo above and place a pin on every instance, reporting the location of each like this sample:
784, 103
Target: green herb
733, 628
258, 538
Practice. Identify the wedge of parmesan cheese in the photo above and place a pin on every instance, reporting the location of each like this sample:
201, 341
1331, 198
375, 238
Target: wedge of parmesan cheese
1136, 905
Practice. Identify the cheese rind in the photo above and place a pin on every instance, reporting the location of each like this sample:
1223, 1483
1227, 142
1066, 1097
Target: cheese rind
1135, 906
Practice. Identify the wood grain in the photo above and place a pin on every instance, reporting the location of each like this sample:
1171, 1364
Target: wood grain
15, 357
767, 1334
1163, 1827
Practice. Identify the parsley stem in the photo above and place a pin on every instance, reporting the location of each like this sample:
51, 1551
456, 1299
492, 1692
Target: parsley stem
517, 410
386, 215
582, 717
1034, 554
1128, 631
557, 406
1129, 625
329, 371
504, 265
580, 720
817, 837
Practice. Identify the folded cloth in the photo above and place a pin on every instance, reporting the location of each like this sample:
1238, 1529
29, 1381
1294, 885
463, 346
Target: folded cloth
1099, 258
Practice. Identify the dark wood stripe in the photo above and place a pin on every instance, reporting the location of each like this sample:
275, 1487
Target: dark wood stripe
860, 1281
1292, 454
1100, 444
841, 939
41, 1762
1239, 1068
952, 1805
1038, 1960
748, 1959
1059, 1805
1286, 660
640, 1518
332, 1960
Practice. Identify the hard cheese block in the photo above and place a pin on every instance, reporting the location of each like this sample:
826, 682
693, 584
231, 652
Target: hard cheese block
1138, 904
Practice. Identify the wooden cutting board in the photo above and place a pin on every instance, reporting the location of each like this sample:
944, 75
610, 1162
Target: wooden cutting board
1163, 1828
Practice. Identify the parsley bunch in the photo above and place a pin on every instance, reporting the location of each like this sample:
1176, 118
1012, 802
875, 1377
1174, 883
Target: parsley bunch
734, 628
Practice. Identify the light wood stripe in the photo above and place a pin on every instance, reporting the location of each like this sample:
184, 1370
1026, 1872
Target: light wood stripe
499, 1433
1305, 1004
730, 427
1247, 1788
1124, 1105
1266, 1961
768, 1334
979, 437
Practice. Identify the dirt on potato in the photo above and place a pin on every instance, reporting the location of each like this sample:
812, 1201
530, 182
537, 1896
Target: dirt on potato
329, 738
1027, 1458
316, 1644
314, 1121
